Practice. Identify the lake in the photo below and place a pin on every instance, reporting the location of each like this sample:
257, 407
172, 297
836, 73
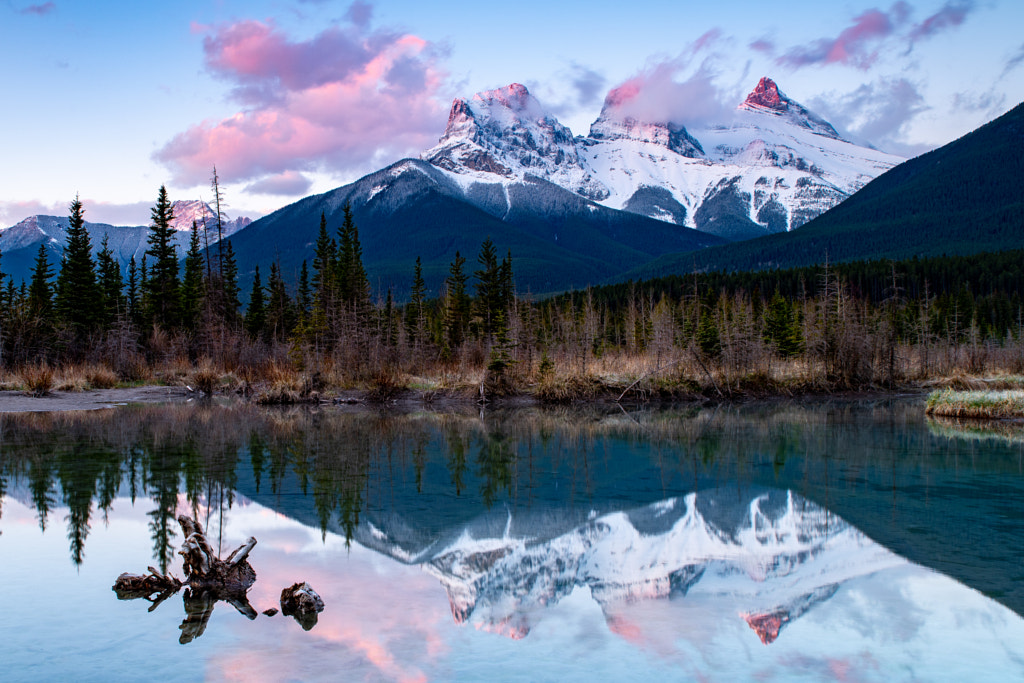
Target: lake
845, 540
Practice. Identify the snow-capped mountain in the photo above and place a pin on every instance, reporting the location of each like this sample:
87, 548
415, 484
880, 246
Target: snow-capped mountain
776, 554
771, 168
19, 243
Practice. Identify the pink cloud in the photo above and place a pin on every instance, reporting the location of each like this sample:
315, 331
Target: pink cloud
347, 99
951, 15
851, 46
663, 93
859, 44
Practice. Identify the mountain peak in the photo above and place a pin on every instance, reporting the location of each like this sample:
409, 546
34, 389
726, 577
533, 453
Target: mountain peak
616, 124
515, 96
506, 132
766, 98
767, 94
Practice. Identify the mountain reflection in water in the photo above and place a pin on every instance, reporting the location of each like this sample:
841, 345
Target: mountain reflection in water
687, 534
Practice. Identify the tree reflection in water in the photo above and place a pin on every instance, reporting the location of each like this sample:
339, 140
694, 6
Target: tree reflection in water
877, 465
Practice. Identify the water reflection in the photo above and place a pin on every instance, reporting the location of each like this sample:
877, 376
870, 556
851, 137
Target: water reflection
682, 533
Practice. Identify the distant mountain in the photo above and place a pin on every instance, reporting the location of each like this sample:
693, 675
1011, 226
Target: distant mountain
576, 211
961, 199
19, 243
559, 239
770, 167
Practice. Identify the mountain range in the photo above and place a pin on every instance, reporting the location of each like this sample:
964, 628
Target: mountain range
579, 210
769, 184
19, 244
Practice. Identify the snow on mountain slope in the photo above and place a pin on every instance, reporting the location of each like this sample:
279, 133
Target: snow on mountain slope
771, 168
505, 132
776, 554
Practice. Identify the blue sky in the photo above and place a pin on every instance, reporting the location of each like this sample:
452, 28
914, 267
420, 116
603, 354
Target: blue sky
110, 100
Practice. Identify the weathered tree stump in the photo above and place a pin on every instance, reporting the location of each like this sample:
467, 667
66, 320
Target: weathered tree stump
302, 603
207, 577
204, 570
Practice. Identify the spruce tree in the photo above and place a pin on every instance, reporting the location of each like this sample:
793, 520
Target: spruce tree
111, 284
133, 291
280, 317
193, 286
229, 285
255, 315
163, 287
78, 294
40, 292
457, 303
414, 309
303, 299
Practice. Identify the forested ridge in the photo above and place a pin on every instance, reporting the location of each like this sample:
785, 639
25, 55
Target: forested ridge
847, 325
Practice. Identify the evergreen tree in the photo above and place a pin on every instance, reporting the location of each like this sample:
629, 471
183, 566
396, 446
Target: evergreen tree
352, 281
78, 294
457, 303
255, 315
414, 309
323, 265
163, 287
229, 286
40, 292
304, 298
193, 286
133, 291
280, 318
110, 283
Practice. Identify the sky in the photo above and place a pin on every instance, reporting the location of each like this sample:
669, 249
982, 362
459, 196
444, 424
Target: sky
109, 101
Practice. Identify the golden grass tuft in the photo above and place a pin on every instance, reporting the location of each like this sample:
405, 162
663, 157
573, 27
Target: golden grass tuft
38, 380
976, 404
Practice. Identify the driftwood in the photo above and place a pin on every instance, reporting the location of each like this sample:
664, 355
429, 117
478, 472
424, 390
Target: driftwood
204, 570
302, 603
208, 579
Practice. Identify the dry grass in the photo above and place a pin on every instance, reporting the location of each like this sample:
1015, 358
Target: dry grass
37, 380
976, 404
569, 388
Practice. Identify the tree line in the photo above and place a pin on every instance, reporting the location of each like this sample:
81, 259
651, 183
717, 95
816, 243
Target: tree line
851, 324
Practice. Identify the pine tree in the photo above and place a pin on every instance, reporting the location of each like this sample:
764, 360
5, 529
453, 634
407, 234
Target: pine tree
78, 294
111, 284
303, 298
414, 309
457, 303
40, 292
133, 291
280, 318
163, 288
193, 285
229, 286
255, 315
324, 256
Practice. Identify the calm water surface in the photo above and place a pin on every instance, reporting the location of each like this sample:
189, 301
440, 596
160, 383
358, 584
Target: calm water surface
848, 541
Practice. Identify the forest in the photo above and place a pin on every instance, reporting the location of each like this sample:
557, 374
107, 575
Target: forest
83, 323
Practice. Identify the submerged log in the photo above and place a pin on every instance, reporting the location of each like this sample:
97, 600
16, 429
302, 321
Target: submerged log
303, 603
131, 586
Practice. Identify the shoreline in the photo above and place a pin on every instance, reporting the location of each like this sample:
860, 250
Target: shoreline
14, 401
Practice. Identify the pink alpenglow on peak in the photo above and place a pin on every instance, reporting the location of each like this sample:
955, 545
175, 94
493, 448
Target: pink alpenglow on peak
766, 98
767, 94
